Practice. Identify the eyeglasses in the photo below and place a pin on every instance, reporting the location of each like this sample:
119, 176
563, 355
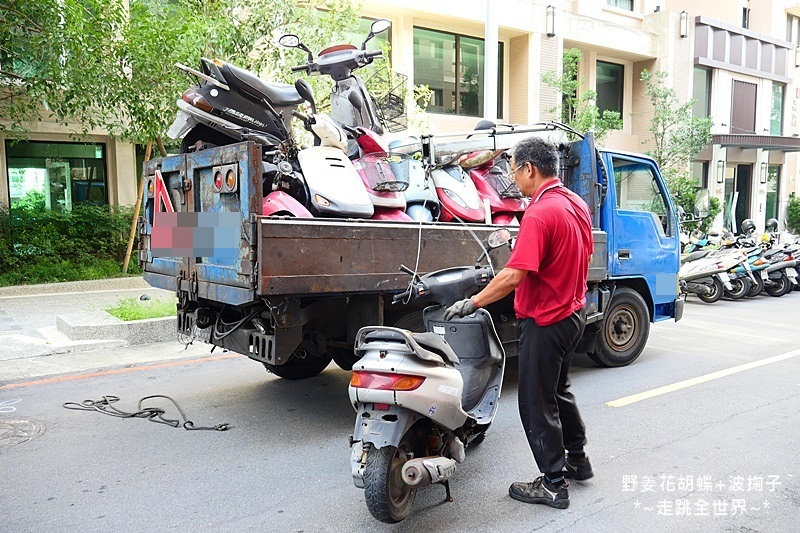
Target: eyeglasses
515, 170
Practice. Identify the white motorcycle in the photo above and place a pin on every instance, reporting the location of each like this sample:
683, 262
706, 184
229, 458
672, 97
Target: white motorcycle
423, 398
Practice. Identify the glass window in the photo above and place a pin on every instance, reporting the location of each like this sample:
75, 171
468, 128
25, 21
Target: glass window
56, 175
700, 173
638, 190
773, 190
701, 92
379, 42
745, 17
622, 4
453, 67
776, 115
610, 83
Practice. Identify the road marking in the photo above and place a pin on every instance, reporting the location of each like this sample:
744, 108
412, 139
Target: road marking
627, 400
98, 291
59, 379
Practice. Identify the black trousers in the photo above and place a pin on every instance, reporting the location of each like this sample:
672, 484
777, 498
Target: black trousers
546, 406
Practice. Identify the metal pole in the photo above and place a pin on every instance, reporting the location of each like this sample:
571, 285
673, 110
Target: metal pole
140, 191
490, 111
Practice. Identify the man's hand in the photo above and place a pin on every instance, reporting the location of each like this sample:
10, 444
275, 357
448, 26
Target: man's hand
460, 308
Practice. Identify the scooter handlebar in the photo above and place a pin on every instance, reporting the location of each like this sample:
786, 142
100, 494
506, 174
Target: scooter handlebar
300, 68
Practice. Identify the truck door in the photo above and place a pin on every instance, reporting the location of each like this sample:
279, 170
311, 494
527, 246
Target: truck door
645, 228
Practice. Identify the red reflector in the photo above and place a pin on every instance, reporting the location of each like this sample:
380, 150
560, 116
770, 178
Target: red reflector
381, 406
218, 182
196, 99
385, 381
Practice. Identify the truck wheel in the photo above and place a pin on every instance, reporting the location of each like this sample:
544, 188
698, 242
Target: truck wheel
740, 288
715, 294
781, 286
301, 365
388, 498
411, 320
345, 358
624, 331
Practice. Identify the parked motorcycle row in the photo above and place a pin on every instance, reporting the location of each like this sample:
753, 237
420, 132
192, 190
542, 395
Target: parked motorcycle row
351, 171
740, 266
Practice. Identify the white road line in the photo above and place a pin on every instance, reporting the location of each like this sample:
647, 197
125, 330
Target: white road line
627, 400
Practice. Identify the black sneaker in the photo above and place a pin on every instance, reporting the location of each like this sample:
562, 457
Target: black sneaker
541, 491
577, 468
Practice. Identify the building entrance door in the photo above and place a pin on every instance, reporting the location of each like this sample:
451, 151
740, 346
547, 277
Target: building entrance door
743, 177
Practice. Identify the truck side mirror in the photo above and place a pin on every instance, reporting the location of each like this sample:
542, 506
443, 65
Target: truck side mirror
702, 203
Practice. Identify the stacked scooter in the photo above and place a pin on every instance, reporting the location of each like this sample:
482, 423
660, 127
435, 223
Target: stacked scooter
350, 172
740, 266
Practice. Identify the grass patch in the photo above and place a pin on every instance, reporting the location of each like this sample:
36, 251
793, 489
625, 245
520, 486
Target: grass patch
135, 309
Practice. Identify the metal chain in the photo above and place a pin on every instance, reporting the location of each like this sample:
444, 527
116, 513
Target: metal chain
154, 414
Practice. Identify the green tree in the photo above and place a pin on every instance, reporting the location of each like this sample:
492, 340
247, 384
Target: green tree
793, 214
677, 137
579, 111
92, 63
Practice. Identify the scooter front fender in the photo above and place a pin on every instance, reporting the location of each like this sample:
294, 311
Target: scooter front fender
281, 202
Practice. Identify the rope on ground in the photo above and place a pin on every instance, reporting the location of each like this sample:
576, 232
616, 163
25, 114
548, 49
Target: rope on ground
154, 414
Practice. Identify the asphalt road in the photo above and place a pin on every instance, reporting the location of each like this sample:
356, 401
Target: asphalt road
284, 464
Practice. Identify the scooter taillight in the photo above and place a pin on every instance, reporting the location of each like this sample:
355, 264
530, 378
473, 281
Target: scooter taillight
385, 381
196, 99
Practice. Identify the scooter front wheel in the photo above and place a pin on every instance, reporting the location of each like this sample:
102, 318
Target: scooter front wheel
756, 288
780, 287
388, 498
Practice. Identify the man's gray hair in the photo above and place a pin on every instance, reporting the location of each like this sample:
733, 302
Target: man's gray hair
539, 153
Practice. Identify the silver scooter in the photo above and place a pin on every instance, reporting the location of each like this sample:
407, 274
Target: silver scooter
423, 398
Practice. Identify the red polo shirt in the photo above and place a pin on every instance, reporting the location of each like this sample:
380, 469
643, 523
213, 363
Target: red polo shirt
554, 245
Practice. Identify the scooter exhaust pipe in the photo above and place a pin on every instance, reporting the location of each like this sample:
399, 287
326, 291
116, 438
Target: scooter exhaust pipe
425, 471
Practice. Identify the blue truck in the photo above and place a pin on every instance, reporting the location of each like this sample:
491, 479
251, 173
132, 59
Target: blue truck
291, 293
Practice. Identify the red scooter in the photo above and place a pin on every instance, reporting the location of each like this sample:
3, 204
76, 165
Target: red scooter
491, 173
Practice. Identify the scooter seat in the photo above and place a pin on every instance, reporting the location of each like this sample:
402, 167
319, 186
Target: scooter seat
694, 256
435, 343
277, 94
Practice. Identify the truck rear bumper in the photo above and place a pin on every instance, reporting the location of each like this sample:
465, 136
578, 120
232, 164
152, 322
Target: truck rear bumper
207, 290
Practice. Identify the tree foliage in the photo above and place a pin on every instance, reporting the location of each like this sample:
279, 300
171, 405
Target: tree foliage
793, 214
678, 137
579, 111
92, 63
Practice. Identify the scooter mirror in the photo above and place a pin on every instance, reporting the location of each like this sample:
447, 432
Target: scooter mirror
289, 40
379, 26
702, 202
498, 238
306, 93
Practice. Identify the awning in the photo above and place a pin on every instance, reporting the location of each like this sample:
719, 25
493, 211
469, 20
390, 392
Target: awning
765, 142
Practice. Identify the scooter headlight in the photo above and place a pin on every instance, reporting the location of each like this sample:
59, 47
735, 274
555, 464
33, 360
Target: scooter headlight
455, 197
385, 381
321, 200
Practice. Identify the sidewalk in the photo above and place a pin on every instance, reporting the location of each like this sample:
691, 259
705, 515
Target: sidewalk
28, 316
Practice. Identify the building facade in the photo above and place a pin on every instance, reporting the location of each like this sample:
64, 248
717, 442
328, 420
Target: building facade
739, 59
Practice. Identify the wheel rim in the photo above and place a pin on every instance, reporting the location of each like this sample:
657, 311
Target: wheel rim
738, 287
621, 328
399, 492
714, 289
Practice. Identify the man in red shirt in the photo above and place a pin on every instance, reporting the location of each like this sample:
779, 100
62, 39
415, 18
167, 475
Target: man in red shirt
548, 268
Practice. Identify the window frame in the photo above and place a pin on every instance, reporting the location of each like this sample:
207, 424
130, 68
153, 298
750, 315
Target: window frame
457, 47
772, 108
622, 95
663, 193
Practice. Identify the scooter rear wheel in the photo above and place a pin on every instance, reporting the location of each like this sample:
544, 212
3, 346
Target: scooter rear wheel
388, 498
756, 288
740, 288
716, 289
781, 286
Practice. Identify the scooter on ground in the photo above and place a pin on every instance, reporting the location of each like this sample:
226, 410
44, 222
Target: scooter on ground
423, 398
705, 274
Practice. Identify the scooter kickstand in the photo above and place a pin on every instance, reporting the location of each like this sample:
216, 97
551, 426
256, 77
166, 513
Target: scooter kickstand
448, 497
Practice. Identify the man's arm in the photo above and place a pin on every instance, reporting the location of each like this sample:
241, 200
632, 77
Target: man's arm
503, 283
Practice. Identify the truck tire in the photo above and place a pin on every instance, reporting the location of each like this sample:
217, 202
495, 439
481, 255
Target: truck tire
623, 333
344, 358
387, 497
303, 364
410, 320
715, 294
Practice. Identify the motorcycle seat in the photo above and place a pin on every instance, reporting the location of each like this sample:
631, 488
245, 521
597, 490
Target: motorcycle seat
435, 343
427, 346
277, 94
694, 256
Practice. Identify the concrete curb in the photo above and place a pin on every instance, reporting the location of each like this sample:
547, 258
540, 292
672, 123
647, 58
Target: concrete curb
88, 325
124, 283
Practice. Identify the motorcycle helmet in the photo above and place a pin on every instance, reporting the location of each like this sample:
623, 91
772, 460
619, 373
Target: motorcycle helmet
748, 226
772, 225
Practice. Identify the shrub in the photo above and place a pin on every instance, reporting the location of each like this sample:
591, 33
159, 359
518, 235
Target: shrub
793, 214
40, 246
